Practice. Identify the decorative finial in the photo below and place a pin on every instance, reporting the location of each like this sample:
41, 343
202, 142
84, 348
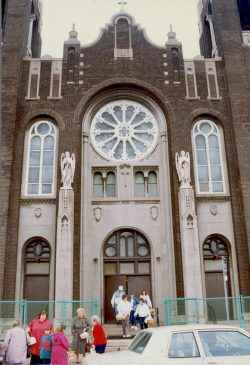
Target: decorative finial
172, 37
122, 3
171, 34
73, 33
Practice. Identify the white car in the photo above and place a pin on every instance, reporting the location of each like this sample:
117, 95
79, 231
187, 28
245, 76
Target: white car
182, 345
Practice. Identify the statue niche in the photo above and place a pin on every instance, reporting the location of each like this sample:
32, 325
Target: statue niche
67, 169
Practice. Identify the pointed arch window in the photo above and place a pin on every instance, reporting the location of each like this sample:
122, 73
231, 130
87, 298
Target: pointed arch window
41, 159
208, 157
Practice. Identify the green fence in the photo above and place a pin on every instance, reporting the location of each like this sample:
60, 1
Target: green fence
58, 311
231, 310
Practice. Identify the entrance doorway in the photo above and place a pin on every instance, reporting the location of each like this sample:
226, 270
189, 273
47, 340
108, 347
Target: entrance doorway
126, 262
36, 271
217, 278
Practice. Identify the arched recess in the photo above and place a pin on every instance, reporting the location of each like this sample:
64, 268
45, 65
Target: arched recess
217, 266
36, 261
127, 262
216, 248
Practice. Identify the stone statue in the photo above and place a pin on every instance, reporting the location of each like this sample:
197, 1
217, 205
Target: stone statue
67, 169
182, 162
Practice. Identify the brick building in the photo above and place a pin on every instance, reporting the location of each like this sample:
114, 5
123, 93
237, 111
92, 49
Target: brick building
124, 109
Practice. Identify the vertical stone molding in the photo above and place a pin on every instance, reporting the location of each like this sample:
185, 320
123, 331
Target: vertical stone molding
191, 258
65, 233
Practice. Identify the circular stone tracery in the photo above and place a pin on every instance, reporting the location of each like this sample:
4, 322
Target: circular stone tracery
124, 130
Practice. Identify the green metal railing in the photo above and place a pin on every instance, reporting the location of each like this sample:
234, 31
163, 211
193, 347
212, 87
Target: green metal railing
59, 312
231, 310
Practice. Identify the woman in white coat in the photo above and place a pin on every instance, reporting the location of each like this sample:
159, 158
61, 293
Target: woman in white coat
124, 308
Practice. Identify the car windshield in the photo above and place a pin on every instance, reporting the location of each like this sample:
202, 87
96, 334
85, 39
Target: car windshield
140, 342
225, 343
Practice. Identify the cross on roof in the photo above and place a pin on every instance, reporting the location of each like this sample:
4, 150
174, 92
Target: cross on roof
122, 3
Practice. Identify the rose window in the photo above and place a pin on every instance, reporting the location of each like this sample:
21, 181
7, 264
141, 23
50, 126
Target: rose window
124, 130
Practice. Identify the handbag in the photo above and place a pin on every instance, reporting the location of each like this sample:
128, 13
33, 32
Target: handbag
84, 335
32, 341
120, 317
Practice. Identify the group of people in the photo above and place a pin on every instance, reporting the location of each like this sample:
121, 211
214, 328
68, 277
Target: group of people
48, 346
129, 309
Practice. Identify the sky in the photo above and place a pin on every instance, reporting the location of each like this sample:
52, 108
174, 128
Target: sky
90, 16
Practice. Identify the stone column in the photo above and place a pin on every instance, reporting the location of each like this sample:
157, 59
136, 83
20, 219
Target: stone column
65, 239
191, 256
64, 247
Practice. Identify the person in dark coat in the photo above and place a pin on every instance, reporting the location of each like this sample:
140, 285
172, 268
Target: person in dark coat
80, 324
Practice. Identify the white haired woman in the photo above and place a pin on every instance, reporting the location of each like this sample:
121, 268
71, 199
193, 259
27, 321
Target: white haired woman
80, 324
15, 345
99, 336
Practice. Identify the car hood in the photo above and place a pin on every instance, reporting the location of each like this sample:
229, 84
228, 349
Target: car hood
111, 358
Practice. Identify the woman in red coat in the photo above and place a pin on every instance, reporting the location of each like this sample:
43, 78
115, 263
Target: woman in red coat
36, 329
100, 339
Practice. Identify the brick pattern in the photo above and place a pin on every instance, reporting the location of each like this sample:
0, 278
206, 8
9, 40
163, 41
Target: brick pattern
212, 86
33, 86
191, 86
55, 85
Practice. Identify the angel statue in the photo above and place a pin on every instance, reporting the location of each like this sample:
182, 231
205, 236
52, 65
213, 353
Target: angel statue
182, 162
67, 169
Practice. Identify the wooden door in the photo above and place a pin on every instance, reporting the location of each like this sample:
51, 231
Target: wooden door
137, 283
111, 285
36, 287
216, 308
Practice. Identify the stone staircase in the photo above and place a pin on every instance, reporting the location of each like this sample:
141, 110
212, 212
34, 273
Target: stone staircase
115, 340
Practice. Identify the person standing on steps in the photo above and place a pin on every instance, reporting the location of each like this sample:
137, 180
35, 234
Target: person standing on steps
116, 298
143, 312
124, 308
134, 303
144, 295
99, 336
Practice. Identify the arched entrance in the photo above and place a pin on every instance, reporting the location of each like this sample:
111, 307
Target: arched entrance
217, 277
36, 270
127, 262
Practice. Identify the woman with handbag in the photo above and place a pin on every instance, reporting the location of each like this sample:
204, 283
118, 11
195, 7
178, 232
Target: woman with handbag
35, 332
124, 308
14, 347
80, 327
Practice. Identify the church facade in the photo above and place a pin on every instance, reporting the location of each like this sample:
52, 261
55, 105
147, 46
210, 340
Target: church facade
124, 163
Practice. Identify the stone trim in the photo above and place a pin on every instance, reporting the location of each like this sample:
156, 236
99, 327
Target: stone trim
38, 201
213, 198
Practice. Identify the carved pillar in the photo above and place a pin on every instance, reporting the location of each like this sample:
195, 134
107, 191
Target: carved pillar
65, 237
64, 248
191, 257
